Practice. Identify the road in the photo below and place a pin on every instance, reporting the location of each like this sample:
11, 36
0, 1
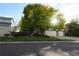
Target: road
39, 49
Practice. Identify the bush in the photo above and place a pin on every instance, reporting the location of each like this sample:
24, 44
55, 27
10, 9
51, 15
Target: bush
19, 33
6, 34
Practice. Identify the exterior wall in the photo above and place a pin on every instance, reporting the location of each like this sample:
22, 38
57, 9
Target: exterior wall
53, 33
4, 30
61, 33
5, 26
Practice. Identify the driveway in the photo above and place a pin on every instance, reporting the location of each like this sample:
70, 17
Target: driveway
39, 48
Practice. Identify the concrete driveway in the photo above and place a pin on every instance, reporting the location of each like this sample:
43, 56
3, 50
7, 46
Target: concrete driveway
70, 48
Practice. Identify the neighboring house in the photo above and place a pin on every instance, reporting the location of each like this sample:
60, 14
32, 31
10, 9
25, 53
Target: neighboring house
50, 32
5, 25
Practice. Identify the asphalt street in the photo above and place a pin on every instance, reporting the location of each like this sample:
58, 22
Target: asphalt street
39, 49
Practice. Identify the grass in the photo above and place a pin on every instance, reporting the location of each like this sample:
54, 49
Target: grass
31, 38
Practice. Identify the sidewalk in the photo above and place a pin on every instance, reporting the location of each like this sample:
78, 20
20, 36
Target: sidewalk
66, 37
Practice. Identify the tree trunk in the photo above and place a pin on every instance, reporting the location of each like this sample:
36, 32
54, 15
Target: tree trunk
57, 33
42, 32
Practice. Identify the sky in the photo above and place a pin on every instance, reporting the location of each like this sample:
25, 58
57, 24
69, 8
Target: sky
14, 10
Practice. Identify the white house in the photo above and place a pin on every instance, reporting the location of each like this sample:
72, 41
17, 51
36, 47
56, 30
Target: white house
50, 32
5, 25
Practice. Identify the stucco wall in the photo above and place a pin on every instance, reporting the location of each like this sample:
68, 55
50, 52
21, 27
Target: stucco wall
53, 33
5, 24
4, 30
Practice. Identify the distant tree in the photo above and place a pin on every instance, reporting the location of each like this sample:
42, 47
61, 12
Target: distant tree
60, 24
72, 28
22, 24
36, 18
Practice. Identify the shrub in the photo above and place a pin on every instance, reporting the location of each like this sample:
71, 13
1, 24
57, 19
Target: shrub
19, 33
6, 34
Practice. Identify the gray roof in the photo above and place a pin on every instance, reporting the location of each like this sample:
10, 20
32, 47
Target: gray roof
5, 23
6, 17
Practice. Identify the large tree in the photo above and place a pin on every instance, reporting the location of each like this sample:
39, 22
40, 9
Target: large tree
60, 24
36, 18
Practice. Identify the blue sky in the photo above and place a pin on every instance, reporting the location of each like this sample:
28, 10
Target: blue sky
14, 10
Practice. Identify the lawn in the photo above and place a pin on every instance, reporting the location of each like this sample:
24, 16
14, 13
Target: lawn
31, 38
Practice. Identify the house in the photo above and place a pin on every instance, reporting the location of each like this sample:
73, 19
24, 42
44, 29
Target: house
51, 32
5, 25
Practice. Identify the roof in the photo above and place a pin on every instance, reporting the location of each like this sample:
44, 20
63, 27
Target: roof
5, 23
6, 17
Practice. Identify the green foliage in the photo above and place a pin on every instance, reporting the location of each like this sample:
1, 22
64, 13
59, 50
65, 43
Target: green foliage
61, 23
37, 17
22, 24
72, 29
